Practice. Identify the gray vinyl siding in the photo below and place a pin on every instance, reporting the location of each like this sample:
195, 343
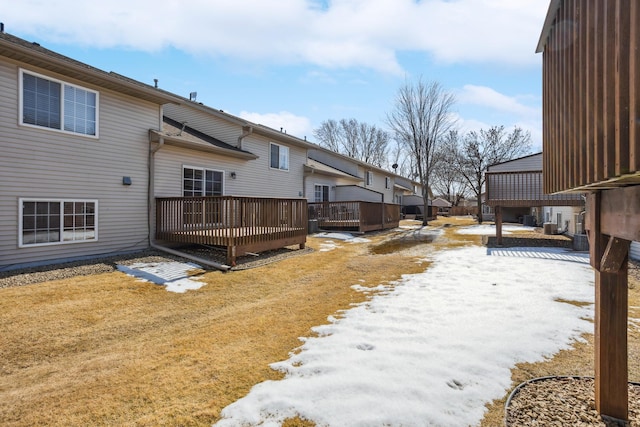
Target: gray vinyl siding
335, 161
635, 251
316, 179
254, 178
224, 130
378, 184
169, 162
45, 164
352, 193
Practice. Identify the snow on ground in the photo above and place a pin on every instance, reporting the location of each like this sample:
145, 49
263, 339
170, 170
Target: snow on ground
489, 229
431, 350
173, 275
548, 253
329, 245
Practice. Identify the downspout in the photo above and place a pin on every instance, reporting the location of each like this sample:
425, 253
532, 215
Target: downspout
246, 131
151, 187
151, 206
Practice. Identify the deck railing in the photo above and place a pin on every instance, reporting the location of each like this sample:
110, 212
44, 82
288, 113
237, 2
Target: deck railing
240, 223
524, 188
355, 215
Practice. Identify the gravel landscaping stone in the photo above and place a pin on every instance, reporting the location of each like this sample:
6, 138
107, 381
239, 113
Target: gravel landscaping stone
27, 276
562, 401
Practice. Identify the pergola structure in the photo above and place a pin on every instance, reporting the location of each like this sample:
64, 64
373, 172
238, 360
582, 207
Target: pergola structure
591, 140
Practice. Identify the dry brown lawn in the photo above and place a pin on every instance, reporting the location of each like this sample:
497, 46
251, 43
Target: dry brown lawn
111, 350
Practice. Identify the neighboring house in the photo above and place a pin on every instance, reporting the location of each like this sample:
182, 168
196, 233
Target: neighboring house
514, 190
361, 181
255, 160
443, 205
348, 194
75, 152
95, 163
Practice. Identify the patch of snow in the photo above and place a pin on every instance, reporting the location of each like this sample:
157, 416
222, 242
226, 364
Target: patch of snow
431, 350
548, 253
489, 229
342, 236
173, 275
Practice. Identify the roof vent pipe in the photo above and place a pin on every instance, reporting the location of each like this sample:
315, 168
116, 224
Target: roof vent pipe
155, 83
1, 27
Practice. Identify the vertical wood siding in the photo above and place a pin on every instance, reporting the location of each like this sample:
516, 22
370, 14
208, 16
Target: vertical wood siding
591, 105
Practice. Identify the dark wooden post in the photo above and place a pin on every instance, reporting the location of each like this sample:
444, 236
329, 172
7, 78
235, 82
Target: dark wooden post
609, 257
498, 214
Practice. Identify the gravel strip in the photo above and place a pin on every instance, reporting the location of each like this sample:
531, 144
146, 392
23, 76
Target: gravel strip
28, 276
562, 401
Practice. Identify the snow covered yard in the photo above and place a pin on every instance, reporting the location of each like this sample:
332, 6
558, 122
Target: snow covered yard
431, 349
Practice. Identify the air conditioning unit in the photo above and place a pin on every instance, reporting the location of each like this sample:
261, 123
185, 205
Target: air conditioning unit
550, 228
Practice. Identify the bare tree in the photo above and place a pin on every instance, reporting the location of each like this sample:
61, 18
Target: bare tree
448, 178
482, 149
361, 141
420, 118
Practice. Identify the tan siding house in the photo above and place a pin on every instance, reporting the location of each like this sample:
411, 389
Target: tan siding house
251, 174
66, 163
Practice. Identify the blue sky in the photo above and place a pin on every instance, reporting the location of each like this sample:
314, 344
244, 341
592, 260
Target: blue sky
292, 64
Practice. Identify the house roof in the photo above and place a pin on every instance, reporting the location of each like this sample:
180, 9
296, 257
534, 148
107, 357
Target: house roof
175, 134
441, 203
548, 23
26, 52
518, 159
314, 166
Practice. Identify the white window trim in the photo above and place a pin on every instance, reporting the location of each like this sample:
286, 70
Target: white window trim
69, 242
387, 182
321, 185
288, 158
369, 178
63, 83
224, 181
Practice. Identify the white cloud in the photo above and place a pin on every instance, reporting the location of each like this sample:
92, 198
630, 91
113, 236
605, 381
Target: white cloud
510, 110
340, 34
290, 123
488, 97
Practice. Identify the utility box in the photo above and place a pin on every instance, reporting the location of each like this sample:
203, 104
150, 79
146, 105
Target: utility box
550, 228
529, 220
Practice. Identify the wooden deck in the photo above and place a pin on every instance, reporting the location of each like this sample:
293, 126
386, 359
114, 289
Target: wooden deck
355, 215
242, 225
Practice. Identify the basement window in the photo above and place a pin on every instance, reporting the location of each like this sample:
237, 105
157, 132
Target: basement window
46, 222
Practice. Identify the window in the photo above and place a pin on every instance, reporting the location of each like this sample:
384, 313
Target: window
57, 221
369, 177
57, 105
279, 157
201, 182
387, 182
321, 193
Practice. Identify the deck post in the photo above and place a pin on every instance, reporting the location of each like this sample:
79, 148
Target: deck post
609, 257
498, 214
